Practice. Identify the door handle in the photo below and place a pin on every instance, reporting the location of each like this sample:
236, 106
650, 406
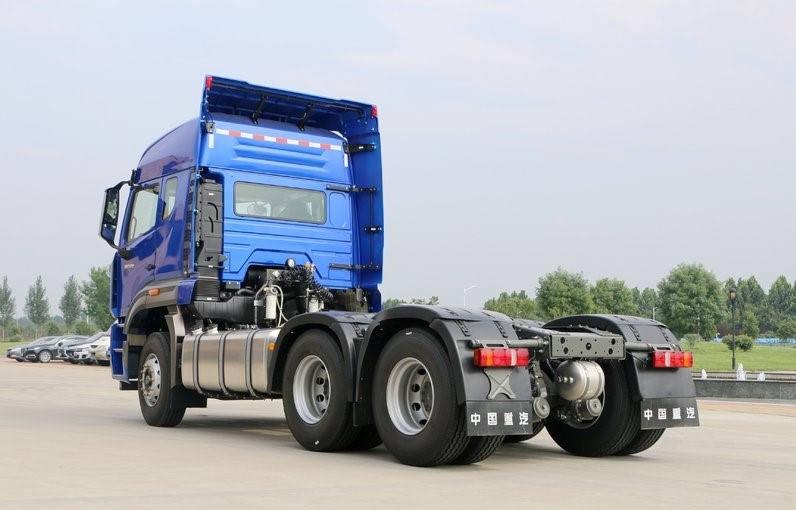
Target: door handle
150, 267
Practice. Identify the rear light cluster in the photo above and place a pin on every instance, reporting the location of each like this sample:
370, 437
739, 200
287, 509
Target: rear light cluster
672, 359
501, 357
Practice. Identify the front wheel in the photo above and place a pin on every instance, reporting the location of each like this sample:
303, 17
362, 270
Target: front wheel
45, 356
414, 401
161, 404
315, 399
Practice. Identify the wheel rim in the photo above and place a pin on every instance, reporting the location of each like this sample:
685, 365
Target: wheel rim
45, 356
311, 389
410, 396
151, 380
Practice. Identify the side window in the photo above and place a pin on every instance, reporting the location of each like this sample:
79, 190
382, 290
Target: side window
279, 202
144, 212
169, 197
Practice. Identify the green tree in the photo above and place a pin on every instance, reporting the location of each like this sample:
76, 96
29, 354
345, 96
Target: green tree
563, 293
8, 306
646, 302
96, 296
37, 308
516, 305
742, 342
751, 327
613, 296
691, 300
433, 300
71, 302
84, 328
52, 328
787, 329
779, 296
392, 302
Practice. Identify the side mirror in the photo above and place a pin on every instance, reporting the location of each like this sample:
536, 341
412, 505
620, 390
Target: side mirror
110, 215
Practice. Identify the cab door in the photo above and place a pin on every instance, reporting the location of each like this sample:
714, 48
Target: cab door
139, 242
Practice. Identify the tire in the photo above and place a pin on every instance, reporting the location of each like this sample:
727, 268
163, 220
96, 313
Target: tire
642, 441
537, 427
104, 363
45, 356
478, 448
414, 401
315, 401
367, 437
609, 433
161, 405
20, 360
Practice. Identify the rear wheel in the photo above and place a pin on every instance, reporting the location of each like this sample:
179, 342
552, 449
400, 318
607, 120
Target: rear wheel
315, 400
643, 440
537, 427
607, 434
414, 401
161, 405
367, 437
45, 356
20, 360
478, 448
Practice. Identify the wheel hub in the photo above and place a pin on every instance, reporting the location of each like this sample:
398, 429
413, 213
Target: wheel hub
311, 389
151, 380
410, 396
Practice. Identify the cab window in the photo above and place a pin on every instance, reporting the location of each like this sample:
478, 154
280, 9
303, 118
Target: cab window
169, 197
144, 212
280, 203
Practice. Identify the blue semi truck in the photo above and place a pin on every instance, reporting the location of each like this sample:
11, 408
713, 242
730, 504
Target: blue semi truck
249, 247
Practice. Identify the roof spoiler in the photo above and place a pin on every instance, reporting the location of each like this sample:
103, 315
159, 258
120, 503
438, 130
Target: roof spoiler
239, 98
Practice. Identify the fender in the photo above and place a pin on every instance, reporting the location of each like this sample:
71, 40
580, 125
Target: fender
455, 328
157, 294
644, 382
155, 302
348, 328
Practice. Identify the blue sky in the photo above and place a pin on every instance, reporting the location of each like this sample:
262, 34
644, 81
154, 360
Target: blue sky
617, 139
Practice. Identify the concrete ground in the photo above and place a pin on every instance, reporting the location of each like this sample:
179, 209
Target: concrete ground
69, 439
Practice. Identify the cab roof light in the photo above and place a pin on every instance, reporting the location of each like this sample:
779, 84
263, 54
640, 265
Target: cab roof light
501, 357
672, 359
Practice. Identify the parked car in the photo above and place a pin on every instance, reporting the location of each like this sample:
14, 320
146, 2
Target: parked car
17, 353
98, 349
68, 342
47, 351
79, 354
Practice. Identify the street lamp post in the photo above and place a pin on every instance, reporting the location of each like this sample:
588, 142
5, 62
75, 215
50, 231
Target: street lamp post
464, 294
733, 295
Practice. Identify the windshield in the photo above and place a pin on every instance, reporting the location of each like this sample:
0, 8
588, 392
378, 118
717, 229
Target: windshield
43, 340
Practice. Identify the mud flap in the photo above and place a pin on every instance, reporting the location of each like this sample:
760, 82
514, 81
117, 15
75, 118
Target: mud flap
661, 413
499, 418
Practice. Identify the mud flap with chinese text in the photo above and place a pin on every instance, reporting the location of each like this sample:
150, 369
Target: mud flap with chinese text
497, 418
661, 413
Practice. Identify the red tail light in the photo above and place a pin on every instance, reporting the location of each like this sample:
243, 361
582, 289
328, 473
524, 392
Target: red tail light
208, 81
672, 359
374, 111
501, 357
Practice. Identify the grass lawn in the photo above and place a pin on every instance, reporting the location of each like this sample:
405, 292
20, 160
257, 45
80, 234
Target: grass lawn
4, 346
716, 357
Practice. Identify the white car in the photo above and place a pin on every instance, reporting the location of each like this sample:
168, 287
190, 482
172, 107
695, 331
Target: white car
98, 349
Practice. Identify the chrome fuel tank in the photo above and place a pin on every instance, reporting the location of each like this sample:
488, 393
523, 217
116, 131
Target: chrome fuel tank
228, 362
